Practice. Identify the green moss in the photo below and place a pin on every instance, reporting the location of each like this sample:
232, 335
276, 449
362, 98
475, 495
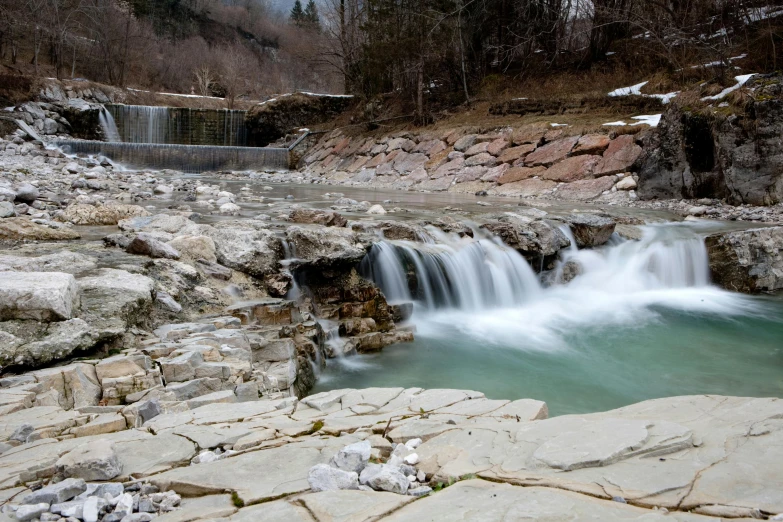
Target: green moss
238, 502
317, 425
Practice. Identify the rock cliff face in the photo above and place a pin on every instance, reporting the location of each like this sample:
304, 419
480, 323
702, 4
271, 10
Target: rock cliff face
719, 152
271, 120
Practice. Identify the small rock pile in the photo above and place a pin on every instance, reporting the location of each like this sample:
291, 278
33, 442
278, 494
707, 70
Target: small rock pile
351, 469
74, 499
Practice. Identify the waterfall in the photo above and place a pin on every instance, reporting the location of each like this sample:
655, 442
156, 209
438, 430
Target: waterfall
108, 126
476, 274
453, 272
187, 158
141, 123
181, 126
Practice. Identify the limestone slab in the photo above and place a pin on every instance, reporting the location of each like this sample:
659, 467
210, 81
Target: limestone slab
255, 476
480, 501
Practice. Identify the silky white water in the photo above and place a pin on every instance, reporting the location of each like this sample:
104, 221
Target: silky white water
108, 126
637, 311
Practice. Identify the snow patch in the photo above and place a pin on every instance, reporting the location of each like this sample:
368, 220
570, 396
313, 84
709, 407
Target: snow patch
741, 80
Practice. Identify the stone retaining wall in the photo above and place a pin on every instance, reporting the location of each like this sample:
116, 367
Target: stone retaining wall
532, 160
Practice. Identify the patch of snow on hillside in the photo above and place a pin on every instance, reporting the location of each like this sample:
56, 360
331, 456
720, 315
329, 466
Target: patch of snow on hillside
741, 80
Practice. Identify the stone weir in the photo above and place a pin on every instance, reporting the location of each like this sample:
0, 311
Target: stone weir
187, 158
182, 126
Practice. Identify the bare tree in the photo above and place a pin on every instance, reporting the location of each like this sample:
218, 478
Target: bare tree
205, 78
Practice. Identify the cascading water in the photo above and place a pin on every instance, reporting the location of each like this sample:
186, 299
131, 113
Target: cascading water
488, 291
452, 272
639, 320
108, 126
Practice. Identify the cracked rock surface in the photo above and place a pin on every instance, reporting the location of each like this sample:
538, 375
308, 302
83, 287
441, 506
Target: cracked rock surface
681, 458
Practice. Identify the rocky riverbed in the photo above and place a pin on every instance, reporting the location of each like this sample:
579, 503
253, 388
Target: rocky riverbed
159, 335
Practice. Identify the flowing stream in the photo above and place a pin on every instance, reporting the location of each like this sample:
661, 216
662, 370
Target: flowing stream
639, 320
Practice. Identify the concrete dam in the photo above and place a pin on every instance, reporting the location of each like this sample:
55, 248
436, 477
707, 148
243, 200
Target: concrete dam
190, 140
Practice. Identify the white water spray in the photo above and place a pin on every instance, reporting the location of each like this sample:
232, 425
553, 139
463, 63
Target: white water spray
487, 291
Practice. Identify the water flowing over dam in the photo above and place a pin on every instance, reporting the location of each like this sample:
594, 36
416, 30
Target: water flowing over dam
190, 140
180, 126
187, 158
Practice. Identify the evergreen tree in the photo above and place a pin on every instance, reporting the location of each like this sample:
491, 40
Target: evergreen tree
311, 19
297, 15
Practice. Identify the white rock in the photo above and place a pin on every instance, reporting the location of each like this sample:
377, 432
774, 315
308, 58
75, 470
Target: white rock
230, 209
413, 444
31, 511
412, 459
323, 477
627, 183
124, 505
376, 210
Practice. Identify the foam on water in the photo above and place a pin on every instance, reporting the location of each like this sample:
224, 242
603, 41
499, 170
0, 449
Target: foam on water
488, 292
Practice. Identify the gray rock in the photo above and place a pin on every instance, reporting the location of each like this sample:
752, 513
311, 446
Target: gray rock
95, 460
146, 506
181, 368
420, 491
31, 511
113, 489
749, 261
22, 433
168, 302
7, 209
353, 457
138, 517
50, 126
26, 193
188, 390
323, 477
385, 478
590, 230
40, 296
57, 493
146, 245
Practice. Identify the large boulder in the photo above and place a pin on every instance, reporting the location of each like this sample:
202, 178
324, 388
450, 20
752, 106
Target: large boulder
116, 299
325, 247
40, 296
80, 214
246, 246
590, 230
23, 229
749, 261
